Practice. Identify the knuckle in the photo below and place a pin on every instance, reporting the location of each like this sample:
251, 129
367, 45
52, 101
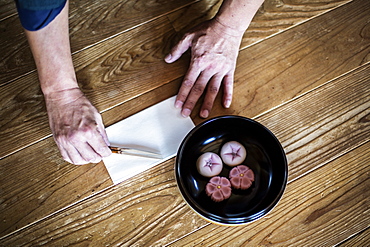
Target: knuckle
228, 83
74, 136
182, 97
213, 89
187, 83
200, 61
212, 67
208, 105
190, 104
198, 89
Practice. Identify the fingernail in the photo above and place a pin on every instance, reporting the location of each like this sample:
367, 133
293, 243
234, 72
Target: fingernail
178, 104
204, 113
185, 112
227, 103
168, 58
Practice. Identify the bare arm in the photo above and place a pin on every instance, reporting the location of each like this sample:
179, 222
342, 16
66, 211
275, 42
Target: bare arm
236, 15
76, 124
214, 50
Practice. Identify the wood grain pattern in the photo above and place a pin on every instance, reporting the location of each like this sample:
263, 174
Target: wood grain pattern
109, 74
320, 209
345, 190
72, 183
18, 218
90, 23
273, 17
93, 21
104, 210
121, 66
308, 129
16, 57
7, 9
302, 58
358, 240
308, 85
44, 184
276, 16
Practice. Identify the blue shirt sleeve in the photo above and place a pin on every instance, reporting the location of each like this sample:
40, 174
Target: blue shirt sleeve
35, 17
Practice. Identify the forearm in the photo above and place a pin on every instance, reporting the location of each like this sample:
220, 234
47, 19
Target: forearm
51, 51
236, 15
76, 124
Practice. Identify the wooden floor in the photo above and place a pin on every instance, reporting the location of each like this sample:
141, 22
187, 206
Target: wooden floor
303, 71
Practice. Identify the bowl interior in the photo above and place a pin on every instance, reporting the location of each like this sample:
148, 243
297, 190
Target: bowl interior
265, 157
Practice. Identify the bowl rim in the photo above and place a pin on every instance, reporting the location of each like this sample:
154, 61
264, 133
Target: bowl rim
237, 221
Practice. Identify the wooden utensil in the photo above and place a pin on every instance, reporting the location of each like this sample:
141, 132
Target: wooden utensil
135, 152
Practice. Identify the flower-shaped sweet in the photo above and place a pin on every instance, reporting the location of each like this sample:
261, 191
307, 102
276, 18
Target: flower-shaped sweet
233, 153
209, 164
218, 188
241, 177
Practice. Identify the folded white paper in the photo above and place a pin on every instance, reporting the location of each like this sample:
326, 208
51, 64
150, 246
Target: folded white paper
159, 128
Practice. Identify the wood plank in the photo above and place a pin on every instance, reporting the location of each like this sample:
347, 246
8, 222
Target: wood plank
7, 9
301, 58
341, 119
114, 18
314, 139
338, 46
16, 56
361, 239
320, 209
30, 184
139, 194
45, 183
273, 17
276, 16
36, 182
124, 214
90, 23
108, 73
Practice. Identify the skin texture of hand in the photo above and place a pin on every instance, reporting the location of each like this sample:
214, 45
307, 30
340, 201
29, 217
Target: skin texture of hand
76, 124
213, 61
77, 127
214, 49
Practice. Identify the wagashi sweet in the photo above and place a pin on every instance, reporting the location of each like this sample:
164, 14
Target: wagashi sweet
241, 177
218, 188
233, 153
209, 164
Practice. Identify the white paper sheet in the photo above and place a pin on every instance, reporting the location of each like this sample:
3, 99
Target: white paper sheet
159, 128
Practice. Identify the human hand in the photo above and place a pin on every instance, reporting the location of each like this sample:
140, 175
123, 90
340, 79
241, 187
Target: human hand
214, 50
77, 127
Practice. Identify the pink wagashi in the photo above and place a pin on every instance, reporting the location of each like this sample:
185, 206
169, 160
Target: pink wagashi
241, 177
233, 153
218, 188
209, 164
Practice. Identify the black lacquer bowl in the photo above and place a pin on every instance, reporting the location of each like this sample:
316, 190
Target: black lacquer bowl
265, 157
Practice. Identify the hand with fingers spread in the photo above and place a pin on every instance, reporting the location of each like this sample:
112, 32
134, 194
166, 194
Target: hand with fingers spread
213, 60
214, 50
77, 127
